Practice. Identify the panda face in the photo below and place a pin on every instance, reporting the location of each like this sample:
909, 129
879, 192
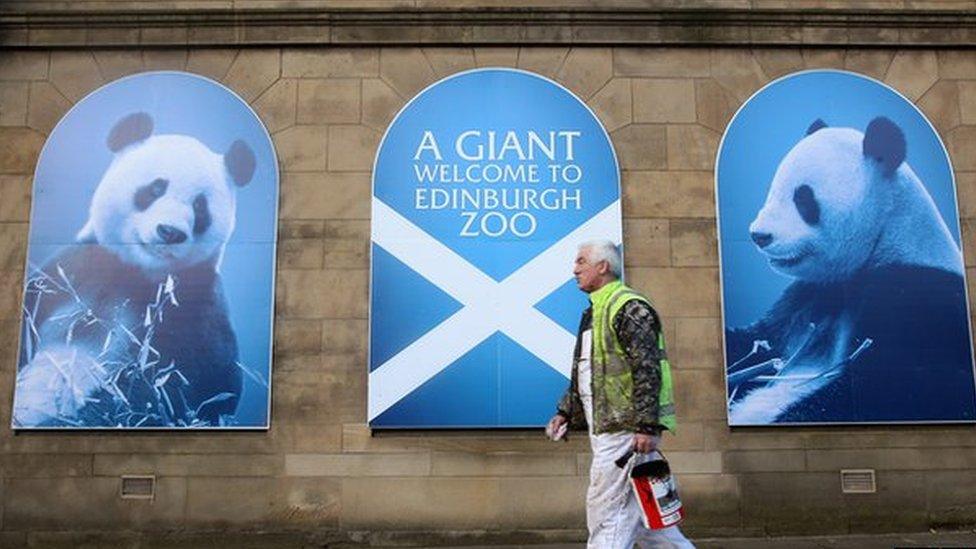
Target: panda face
164, 204
821, 216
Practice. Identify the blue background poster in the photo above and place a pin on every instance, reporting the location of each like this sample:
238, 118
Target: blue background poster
483, 187
844, 299
149, 287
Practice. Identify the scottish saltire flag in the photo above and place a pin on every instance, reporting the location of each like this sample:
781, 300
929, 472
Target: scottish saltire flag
483, 186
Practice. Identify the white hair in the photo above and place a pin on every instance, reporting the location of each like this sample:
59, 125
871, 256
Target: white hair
603, 250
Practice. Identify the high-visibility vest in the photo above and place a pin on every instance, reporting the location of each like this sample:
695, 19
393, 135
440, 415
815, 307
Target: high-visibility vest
612, 378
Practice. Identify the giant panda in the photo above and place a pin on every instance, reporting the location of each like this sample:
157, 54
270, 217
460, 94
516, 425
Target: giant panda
874, 326
128, 326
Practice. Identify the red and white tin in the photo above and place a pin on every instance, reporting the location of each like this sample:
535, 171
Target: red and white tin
656, 493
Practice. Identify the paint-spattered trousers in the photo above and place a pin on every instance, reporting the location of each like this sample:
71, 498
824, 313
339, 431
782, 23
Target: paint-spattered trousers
613, 515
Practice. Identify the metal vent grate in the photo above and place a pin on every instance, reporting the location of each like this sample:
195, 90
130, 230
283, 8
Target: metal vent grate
138, 487
858, 481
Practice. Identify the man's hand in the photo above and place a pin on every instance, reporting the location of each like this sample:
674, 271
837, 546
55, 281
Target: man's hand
555, 425
645, 444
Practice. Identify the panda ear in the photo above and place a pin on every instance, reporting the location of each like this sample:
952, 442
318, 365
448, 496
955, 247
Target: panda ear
818, 124
240, 163
885, 142
131, 129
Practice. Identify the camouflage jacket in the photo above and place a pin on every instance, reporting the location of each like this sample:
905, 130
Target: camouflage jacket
637, 326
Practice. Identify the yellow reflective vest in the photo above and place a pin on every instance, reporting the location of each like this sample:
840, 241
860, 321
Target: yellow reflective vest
612, 376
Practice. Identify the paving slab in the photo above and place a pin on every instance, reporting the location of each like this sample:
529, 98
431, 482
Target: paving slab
858, 541
306, 540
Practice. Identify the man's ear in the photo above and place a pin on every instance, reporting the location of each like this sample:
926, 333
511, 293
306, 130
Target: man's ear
603, 267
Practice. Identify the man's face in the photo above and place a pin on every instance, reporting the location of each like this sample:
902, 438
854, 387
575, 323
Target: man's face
589, 275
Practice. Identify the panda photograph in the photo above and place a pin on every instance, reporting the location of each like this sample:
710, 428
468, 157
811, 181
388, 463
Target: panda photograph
844, 292
130, 322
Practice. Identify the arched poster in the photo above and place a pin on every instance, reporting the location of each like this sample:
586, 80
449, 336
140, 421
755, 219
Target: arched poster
483, 186
843, 282
149, 286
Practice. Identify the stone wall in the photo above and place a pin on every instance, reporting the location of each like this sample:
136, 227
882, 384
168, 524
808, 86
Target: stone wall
318, 468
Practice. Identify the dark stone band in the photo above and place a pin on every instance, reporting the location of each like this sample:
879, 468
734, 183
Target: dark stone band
24, 26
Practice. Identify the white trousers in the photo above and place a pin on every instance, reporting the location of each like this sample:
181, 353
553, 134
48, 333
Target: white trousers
613, 515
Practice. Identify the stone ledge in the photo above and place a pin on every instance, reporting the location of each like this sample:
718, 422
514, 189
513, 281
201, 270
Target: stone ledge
492, 26
314, 536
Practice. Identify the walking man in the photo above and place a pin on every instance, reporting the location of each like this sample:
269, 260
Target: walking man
621, 390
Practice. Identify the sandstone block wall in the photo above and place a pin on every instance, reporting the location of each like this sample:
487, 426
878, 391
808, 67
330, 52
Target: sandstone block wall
318, 467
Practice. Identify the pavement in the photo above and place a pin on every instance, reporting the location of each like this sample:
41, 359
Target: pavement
858, 541
304, 540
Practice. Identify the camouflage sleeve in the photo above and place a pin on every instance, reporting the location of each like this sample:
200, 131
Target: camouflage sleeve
564, 408
569, 405
637, 326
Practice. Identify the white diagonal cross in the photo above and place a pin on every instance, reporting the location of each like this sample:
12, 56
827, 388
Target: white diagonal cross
488, 306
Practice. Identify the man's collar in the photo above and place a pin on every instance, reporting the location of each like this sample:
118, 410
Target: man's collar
604, 291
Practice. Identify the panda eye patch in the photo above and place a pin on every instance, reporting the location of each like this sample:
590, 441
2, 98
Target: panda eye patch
201, 214
806, 204
147, 194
